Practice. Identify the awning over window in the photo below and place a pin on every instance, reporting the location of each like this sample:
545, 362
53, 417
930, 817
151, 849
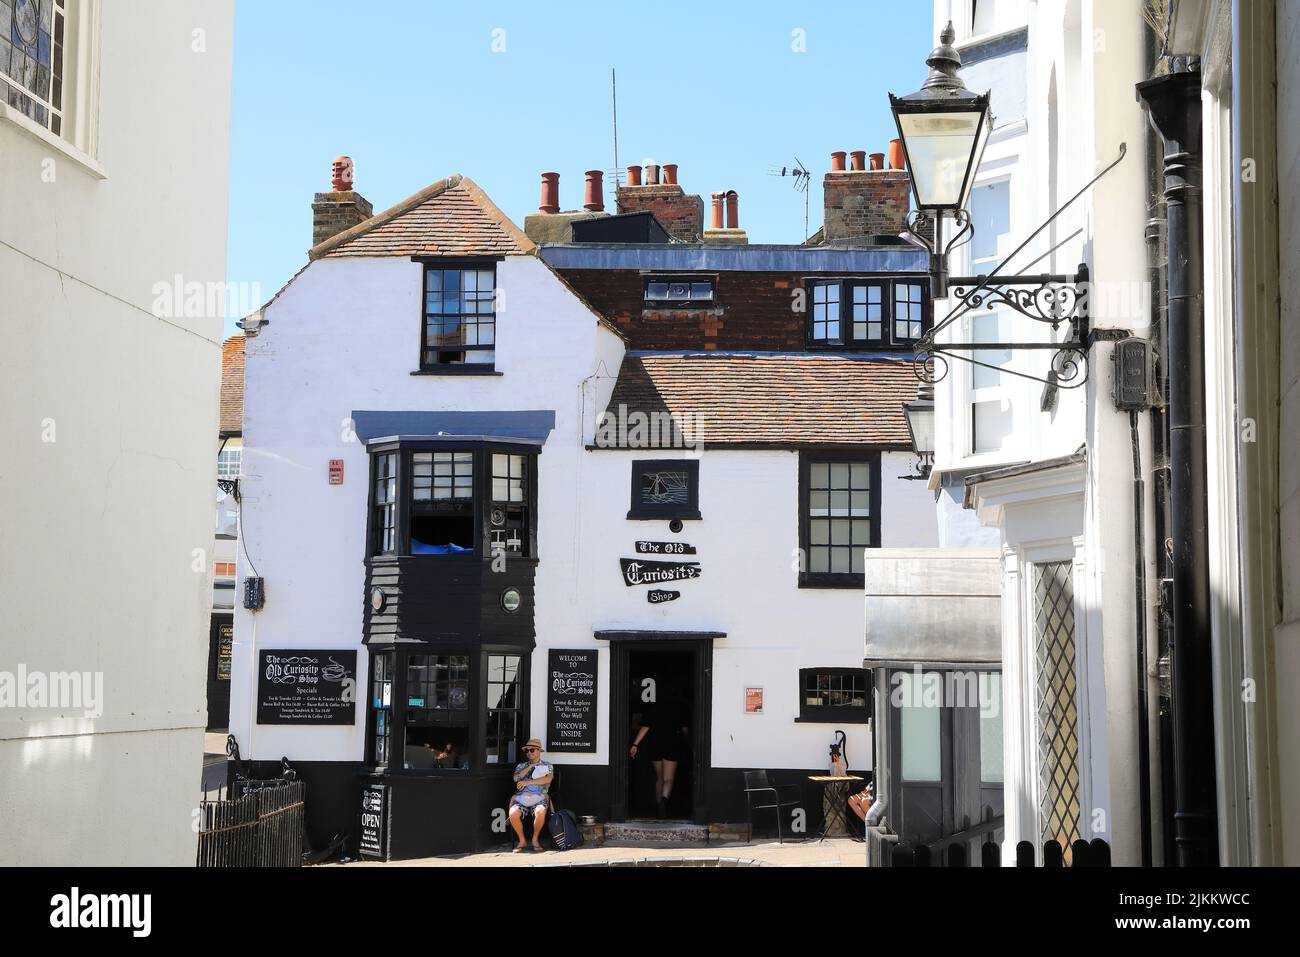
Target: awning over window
529, 428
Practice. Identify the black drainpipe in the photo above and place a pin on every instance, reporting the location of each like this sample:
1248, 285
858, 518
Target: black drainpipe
1174, 104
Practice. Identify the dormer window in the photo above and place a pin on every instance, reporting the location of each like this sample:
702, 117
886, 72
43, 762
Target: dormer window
867, 313
680, 292
459, 317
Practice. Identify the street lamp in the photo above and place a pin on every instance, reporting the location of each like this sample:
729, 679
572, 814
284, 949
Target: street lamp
920, 426
944, 128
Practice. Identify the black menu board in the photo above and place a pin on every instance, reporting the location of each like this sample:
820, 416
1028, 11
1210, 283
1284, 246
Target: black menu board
571, 701
306, 687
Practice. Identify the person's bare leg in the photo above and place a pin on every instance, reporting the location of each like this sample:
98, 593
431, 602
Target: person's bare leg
659, 779
858, 807
516, 821
670, 775
539, 818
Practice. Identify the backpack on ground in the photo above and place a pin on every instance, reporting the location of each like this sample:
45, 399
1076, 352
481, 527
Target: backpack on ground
565, 831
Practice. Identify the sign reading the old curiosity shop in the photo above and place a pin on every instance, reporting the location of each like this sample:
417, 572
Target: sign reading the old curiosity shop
655, 573
664, 548
571, 701
306, 687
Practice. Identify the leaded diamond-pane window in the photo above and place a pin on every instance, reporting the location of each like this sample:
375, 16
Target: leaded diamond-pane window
1058, 716
32, 34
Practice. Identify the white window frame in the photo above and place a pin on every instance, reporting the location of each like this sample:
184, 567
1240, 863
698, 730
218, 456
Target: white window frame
234, 454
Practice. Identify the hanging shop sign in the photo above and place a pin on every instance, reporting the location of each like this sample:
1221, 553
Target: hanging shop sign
657, 597
571, 700
654, 573
664, 548
374, 821
225, 651
306, 687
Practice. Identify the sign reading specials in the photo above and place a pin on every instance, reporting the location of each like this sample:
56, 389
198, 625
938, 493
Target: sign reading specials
306, 687
656, 573
571, 702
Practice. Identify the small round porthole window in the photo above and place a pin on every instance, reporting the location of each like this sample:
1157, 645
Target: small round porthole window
511, 600
378, 599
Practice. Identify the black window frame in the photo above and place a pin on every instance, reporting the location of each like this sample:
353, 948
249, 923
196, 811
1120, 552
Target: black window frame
828, 579
637, 511
434, 264
398, 663
836, 714
888, 286
679, 304
481, 507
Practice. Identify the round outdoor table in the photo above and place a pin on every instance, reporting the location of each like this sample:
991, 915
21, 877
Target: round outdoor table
835, 803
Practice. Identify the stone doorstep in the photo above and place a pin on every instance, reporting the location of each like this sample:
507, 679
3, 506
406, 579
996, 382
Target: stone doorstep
667, 834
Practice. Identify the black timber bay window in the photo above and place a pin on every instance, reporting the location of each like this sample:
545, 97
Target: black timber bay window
679, 292
447, 710
665, 489
430, 499
839, 516
459, 309
867, 313
835, 695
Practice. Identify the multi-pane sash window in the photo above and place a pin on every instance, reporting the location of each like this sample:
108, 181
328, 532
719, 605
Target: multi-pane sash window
442, 502
909, 311
826, 312
505, 716
32, 39
381, 706
384, 521
839, 496
228, 463
509, 516
459, 316
834, 694
881, 313
436, 726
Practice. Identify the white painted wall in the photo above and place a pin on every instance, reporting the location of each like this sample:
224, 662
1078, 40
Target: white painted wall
131, 400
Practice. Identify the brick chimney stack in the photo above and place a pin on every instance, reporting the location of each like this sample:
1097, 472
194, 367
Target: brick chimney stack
681, 215
343, 208
861, 204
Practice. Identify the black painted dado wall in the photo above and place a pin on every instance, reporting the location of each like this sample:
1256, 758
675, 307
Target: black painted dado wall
448, 598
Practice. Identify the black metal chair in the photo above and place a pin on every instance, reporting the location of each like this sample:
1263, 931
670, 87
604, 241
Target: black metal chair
757, 787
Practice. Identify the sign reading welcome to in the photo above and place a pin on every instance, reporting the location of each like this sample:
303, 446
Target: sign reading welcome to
571, 700
306, 687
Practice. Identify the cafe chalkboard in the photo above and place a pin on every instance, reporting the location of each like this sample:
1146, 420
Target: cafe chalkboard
374, 821
571, 701
306, 687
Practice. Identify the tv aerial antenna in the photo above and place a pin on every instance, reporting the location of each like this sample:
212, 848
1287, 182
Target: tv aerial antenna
802, 177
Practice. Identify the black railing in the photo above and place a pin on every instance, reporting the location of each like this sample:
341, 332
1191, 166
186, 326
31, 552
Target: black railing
262, 827
952, 852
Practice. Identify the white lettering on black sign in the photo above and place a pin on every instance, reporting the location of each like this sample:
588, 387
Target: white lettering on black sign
659, 597
374, 815
652, 573
307, 687
664, 548
571, 704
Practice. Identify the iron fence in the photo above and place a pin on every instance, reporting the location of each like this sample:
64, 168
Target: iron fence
256, 824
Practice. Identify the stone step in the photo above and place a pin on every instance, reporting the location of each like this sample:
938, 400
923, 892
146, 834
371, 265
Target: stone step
657, 833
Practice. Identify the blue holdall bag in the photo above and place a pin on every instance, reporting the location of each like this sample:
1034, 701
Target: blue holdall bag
565, 831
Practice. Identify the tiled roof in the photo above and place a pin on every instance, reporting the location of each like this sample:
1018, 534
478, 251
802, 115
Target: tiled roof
453, 217
232, 385
780, 399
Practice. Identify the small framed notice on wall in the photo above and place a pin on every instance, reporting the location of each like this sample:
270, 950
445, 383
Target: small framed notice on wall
753, 701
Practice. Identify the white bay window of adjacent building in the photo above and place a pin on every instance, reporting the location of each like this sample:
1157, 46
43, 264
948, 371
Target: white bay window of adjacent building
990, 411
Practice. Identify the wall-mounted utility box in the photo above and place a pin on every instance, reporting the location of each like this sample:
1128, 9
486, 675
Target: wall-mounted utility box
1134, 386
254, 593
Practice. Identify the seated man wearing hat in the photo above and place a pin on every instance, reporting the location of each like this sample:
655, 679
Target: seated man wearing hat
532, 778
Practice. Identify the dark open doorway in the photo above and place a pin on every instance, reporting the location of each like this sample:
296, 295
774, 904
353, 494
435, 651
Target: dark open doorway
669, 680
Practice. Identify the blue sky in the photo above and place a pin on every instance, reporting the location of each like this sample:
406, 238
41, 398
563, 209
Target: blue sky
413, 91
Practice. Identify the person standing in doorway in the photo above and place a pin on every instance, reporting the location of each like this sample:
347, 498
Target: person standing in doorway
662, 736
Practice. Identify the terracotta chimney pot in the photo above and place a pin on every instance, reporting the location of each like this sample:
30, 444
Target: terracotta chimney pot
652, 174
858, 160
634, 176
877, 160
670, 174
342, 174
733, 216
717, 210
595, 200
897, 158
837, 161
550, 193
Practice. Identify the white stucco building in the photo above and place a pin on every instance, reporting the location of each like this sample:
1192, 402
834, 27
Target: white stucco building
109, 411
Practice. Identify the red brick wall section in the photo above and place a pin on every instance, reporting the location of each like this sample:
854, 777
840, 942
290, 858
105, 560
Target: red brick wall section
862, 204
681, 215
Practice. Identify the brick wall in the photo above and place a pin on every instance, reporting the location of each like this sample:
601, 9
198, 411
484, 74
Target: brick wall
681, 215
331, 213
863, 204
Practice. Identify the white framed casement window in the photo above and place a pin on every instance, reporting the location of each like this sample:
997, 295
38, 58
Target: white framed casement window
228, 463
49, 72
991, 420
